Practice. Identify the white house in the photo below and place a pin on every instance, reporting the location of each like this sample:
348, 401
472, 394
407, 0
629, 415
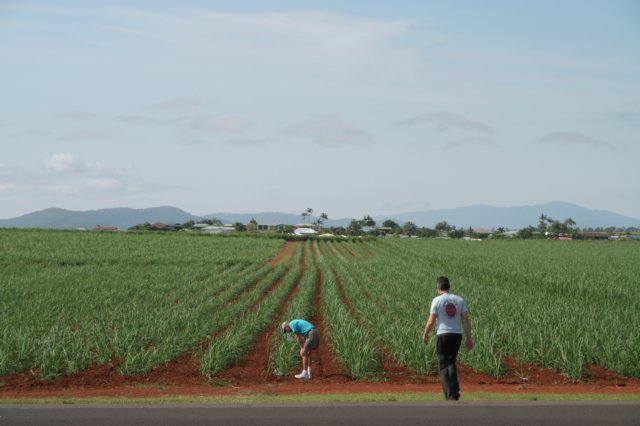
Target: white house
304, 231
216, 229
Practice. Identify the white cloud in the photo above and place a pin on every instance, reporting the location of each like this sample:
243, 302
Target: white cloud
62, 163
319, 40
574, 139
7, 187
67, 171
222, 123
444, 121
328, 131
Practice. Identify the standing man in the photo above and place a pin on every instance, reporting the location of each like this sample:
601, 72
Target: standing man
308, 338
447, 309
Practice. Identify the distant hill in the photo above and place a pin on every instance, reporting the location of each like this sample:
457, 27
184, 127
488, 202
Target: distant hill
477, 217
122, 218
488, 217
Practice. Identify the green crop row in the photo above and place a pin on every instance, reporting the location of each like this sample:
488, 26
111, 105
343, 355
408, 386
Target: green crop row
229, 347
283, 350
70, 300
562, 306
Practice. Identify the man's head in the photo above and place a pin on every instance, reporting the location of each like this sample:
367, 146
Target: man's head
285, 327
443, 284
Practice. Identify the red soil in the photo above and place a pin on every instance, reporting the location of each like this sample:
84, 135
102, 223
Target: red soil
286, 252
251, 376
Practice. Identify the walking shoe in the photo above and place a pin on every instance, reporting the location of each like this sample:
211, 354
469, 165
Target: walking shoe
303, 375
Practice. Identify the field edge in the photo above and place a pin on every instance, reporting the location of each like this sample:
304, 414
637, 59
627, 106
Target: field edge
267, 398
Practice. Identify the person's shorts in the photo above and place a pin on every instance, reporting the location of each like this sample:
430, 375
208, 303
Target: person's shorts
313, 339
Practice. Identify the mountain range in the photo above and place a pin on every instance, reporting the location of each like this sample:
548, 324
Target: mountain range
121, 218
477, 217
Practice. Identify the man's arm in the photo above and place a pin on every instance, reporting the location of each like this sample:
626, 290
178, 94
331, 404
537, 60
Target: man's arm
427, 328
466, 323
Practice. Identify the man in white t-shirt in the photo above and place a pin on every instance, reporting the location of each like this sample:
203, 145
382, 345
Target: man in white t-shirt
447, 310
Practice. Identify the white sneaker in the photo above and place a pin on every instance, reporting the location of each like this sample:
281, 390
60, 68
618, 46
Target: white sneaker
303, 375
309, 373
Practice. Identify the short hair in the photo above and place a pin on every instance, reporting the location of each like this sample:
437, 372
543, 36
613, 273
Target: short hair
443, 283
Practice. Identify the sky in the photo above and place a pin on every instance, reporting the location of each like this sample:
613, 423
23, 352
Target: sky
350, 108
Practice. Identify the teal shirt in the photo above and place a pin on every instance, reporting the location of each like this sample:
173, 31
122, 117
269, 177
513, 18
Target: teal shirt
301, 327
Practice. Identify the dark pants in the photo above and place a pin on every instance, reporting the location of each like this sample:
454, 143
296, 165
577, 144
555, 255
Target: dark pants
447, 347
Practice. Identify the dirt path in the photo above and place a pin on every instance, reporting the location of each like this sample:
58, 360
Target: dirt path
254, 366
324, 362
330, 383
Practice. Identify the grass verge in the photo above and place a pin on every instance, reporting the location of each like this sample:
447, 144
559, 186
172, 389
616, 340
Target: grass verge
266, 398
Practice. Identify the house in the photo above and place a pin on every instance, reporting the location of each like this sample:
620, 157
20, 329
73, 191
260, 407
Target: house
595, 235
217, 229
304, 231
105, 228
165, 227
267, 228
482, 233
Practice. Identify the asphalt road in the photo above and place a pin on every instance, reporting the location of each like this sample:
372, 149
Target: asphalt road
453, 413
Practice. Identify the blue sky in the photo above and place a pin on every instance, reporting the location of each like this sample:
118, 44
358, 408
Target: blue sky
350, 108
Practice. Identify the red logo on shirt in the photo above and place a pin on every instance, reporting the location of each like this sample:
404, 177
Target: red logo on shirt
451, 310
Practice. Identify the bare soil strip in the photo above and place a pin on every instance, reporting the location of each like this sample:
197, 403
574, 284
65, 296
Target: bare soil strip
255, 365
347, 249
391, 368
286, 252
325, 365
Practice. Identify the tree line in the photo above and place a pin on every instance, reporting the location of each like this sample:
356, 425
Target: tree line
547, 228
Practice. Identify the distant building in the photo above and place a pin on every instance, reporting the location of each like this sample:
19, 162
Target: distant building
217, 229
595, 235
304, 231
166, 227
267, 228
105, 228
